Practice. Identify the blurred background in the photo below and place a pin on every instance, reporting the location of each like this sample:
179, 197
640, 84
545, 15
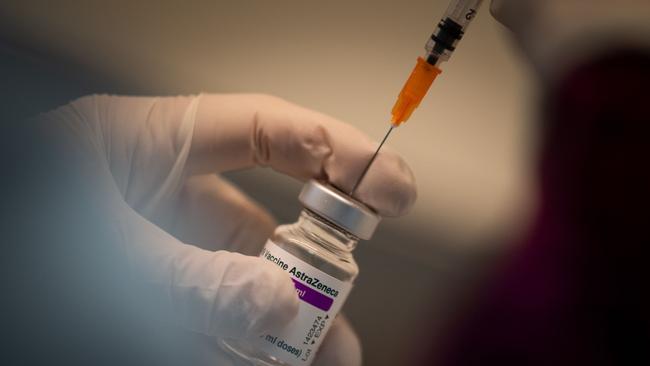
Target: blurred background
471, 143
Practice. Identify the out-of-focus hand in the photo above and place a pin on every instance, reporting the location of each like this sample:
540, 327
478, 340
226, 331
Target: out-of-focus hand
554, 34
192, 237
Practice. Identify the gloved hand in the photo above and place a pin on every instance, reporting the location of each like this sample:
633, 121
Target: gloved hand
555, 34
150, 163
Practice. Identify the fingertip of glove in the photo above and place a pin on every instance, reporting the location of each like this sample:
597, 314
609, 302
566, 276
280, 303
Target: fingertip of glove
279, 296
286, 299
390, 187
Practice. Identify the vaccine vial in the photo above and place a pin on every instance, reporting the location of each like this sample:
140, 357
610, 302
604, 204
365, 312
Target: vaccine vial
316, 252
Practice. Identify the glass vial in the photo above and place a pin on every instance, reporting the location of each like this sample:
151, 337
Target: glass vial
316, 252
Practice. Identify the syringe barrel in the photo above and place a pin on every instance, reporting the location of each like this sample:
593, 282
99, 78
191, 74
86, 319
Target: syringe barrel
462, 11
450, 30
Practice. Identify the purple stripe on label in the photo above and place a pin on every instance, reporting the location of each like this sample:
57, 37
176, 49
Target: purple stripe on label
313, 297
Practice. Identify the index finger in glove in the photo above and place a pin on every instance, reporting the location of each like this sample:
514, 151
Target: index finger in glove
240, 131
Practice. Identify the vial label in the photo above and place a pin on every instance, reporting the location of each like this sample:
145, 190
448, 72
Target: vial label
321, 297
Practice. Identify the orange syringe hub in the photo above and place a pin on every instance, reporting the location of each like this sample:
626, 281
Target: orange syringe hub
414, 90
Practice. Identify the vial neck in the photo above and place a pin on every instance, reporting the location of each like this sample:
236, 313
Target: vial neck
328, 235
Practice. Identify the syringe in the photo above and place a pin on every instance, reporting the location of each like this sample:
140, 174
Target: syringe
439, 48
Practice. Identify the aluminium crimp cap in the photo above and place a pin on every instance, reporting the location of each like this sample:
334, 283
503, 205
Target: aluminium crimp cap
339, 208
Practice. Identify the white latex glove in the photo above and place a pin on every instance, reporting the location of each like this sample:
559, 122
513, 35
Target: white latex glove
555, 34
150, 163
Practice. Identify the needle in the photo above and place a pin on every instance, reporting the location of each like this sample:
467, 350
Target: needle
374, 156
